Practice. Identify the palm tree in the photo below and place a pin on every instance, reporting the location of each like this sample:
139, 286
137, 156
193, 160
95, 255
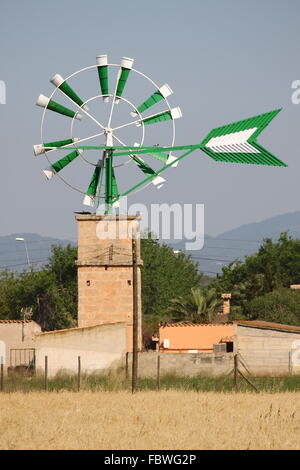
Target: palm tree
199, 307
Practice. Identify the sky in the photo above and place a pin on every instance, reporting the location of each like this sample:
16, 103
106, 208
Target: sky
225, 60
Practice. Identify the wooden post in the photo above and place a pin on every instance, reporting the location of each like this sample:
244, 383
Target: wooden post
235, 372
34, 363
134, 377
248, 381
46, 373
79, 374
158, 373
126, 365
2, 375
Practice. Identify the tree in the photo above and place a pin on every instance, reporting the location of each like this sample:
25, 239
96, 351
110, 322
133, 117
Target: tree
280, 306
200, 306
275, 265
165, 275
62, 264
50, 292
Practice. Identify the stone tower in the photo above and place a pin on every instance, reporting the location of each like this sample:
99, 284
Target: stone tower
105, 270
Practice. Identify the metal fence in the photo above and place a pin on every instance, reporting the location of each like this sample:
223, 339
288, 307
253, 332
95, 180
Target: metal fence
22, 358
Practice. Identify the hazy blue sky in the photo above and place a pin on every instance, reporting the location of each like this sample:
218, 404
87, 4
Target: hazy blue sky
225, 60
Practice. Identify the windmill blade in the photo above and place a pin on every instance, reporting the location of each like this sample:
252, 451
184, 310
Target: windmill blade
89, 198
62, 85
103, 76
40, 149
60, 164
171, 159
163, 92
45, 102
115, 191
157, 180
236, 142
126, 66
162, 156
174, 113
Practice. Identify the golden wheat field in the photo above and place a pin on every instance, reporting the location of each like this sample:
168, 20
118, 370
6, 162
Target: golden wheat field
172, 420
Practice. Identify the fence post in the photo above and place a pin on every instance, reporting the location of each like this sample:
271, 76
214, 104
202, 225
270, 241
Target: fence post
46, 373
158, 373
135, 331
290, 362
79, 374
34, 363
126, 365
235, 372
2, 375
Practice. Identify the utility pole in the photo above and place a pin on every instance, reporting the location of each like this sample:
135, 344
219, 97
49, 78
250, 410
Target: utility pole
27, 313
235, 372
135, 314
21, 239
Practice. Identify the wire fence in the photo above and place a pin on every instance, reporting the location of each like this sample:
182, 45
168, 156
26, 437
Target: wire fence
237, 379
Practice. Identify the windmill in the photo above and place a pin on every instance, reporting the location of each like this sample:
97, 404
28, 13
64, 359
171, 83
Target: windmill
235, 143
120, 272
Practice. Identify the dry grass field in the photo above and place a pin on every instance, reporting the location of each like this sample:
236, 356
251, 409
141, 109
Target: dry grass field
149, 420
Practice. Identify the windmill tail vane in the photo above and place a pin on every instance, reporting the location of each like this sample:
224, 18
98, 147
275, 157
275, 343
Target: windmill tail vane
233, 143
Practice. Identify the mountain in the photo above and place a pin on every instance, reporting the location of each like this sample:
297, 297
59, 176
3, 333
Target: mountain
13, 253
242, 241
267, 228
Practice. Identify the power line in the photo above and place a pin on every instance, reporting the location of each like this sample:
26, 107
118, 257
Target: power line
23, 264
17, 251
209, 272
213, 259
46, 240
225, 248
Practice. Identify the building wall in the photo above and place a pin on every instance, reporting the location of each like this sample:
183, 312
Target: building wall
99, 347
11, 336
184, 365
105, 272
266, 350
198, 337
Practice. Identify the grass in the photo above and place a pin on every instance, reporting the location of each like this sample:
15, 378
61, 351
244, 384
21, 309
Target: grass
116, 381
171, 419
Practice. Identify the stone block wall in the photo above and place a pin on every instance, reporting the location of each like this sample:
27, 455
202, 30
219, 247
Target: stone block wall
105, 271
184, 365
266, 351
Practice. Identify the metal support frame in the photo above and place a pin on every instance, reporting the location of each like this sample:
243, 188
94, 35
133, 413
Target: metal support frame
108, 181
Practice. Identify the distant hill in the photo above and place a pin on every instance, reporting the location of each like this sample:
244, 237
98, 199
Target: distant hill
13, 253
267, 228
241, 241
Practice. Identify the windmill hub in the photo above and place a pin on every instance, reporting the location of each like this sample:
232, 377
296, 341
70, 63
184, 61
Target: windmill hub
109, 136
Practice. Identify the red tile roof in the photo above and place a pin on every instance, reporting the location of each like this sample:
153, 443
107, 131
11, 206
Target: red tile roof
268, 325
15, 321
191, 324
